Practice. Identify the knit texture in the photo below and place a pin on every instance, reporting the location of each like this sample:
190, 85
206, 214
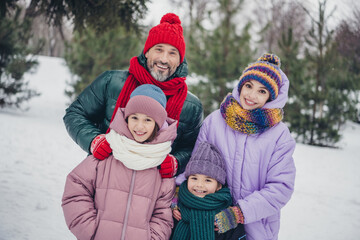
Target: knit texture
265, 70
229, 218
198, 214
137, 156
148, 99
207, 160
248, 121
168, 31
175, 89
152, 91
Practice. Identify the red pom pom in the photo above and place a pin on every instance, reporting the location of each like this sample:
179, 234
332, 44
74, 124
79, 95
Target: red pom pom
170, 18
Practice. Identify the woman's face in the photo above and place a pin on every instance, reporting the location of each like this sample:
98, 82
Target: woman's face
253, 95
141, 126
201, 185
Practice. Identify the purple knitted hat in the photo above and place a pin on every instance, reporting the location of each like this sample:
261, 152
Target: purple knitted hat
207, 160
150, 100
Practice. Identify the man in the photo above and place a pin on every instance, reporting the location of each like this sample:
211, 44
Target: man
161, 63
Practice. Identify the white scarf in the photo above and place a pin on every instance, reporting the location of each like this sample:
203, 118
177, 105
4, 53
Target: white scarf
137, 156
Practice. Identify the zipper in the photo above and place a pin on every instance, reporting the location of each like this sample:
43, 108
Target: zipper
131, 190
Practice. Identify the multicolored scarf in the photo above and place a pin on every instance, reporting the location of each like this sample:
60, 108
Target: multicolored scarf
175, 89
198, 214
249, 121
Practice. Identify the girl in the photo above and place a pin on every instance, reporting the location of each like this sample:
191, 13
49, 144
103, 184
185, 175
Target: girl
125, 197
257, 148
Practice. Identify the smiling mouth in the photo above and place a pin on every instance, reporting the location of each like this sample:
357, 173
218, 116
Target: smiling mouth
161, 66
140, 133
199, 191
249, 102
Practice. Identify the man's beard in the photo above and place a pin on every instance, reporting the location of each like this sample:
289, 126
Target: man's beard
160, 76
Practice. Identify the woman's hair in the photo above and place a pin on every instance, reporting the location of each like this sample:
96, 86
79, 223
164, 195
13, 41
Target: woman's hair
153, 134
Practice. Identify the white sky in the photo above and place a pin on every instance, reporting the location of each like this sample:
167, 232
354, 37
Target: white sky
160, 7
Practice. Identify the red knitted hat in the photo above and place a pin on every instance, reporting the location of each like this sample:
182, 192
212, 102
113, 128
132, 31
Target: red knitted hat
168, 31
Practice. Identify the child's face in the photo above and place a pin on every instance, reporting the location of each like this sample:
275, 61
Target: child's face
253, 95
201, 185
141, 126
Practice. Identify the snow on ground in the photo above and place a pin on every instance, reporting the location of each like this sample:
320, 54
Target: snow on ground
36, 154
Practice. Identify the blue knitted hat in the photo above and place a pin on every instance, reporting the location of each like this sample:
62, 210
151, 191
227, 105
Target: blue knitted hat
207, 160
150, 100
151, 91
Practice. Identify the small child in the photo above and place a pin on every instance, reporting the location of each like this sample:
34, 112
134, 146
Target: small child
124, 196
202, 196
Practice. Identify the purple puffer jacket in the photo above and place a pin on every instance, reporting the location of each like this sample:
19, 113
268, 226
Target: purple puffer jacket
106, 200
260, 168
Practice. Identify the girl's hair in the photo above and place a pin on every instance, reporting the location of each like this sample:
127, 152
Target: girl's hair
153, 134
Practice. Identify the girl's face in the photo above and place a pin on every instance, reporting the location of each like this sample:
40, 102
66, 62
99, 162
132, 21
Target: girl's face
141, 126
253, 95
201, 185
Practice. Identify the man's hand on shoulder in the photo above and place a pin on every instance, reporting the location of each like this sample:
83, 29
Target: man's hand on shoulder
169, 167
100, 148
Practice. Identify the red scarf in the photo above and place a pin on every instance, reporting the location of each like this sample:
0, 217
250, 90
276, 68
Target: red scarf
175, 89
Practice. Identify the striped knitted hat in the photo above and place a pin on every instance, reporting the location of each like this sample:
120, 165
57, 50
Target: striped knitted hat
265, 70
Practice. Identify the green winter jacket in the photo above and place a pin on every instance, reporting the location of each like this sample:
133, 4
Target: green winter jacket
90, 114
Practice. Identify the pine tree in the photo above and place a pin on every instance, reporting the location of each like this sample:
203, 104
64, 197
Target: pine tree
218, 56
16, 58
347, 38
89, 54
321, 125
98, 15
324, 95
294, 67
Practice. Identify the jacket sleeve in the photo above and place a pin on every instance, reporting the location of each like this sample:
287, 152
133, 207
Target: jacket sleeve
190, 122
278, 187
161, 221
78, 200
84, 114
279, 183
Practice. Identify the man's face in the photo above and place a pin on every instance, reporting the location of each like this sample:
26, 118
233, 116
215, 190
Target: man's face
162, 61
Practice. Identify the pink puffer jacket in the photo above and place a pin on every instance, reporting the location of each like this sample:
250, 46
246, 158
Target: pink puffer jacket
106, 200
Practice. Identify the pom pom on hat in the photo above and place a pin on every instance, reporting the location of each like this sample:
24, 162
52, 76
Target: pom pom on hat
168, 31
150, 100
265, 70
270, 58
207, 160
170, 18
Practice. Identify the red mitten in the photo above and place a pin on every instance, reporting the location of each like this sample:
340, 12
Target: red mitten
100, 148
169, 167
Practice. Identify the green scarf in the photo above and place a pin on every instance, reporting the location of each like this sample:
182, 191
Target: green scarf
198, 214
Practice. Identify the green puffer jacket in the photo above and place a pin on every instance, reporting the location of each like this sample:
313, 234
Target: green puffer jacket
90, 114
